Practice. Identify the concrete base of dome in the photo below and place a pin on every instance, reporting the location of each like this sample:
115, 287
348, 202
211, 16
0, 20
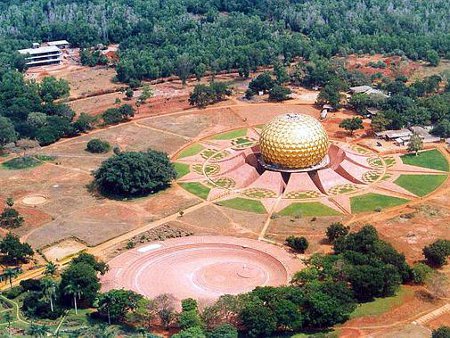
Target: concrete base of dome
322, 164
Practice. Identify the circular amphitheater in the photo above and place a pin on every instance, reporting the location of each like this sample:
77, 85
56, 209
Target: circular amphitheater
199, 267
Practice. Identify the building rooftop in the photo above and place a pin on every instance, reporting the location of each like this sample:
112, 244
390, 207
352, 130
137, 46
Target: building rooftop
39, 50
367, 90
58, 43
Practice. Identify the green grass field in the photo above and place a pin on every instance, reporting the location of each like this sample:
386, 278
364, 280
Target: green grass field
181, 169
432, 159
191, 151
308, 209
197, 189
370, 202
231, 134
244, 204
381, 305
420, 185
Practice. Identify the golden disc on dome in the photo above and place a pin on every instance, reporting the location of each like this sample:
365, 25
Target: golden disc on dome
293, 141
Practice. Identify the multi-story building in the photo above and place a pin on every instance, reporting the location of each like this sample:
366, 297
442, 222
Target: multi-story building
41, 56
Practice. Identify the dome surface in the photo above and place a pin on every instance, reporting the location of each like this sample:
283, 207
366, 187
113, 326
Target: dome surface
293, 141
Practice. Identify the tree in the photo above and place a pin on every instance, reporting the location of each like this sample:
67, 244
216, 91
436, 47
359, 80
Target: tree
37, 330
115, 304
75, 291
183, 68
147, 92
165, 308
79, 281
279, 93
52, 89
98, 146
117, 115
351, 125
129, 93
329, 94
281, 74
442, 129
37, 119
14, 250
258, 320
299, 244
48, 290
433, 58
436, 253
7, 317
84, 123
202, 95
379, 122
50, 269
415, 144
7, 132
10, 274
441, 332
10, 217
89, 259
189, 316
336, 230
135, 173
262, 82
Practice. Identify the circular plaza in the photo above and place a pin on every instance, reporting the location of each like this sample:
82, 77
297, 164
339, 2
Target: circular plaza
201, 267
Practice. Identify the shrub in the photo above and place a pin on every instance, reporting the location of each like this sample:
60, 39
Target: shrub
132, 174
14, 292
420, 272
31, 284
437, 252
98, 146
299, 244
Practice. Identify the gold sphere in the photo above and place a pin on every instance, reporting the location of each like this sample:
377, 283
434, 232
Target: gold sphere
293, 141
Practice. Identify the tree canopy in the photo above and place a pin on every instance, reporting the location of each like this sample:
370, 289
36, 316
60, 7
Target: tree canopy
131, 174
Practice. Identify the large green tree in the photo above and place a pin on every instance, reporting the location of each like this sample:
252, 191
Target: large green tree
131, 174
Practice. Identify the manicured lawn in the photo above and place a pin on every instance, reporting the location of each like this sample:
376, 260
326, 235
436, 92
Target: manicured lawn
231, 134
308, 209
22, 163
191, 151
244, 204
370, 202
420, 185
181, 169
381, 305
197, 189
432, 159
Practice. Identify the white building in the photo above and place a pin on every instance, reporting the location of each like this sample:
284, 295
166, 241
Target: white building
62, 44
41, 56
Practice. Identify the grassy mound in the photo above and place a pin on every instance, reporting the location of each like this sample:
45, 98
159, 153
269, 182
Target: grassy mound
25, 162
182, 169
420, 185
197, 189
231, 134
244, 204
191, 151
308, 209
372, 202
431, 159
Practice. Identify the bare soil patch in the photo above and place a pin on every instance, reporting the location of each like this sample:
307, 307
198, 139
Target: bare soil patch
63, 249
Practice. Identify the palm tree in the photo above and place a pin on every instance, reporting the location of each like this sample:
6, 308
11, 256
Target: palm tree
7, 317
48, 290
50, 268
74, 291
38, 330
10, 273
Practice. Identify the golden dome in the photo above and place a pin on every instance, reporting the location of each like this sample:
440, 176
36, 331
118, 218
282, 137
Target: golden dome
293, 141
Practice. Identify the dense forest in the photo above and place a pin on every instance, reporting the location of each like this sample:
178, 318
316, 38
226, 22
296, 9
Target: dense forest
163, 37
